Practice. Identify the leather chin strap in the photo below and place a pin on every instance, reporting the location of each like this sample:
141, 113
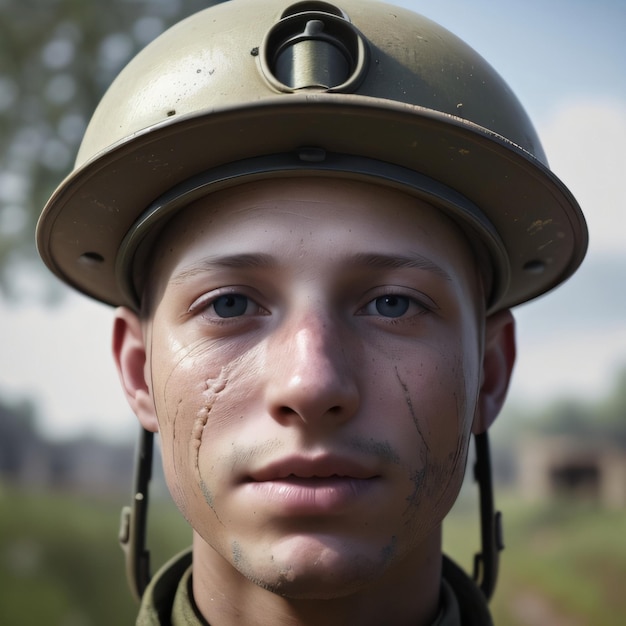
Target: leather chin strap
133, 526
487, 561
134, 521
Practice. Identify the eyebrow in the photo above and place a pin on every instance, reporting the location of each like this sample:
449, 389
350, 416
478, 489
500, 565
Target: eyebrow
267, 261
388, 261
234, 261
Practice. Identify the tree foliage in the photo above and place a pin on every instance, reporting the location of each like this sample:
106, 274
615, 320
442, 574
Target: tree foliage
57, 57
592, 419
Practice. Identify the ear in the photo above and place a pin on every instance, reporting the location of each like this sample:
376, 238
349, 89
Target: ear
129, 352
498, 361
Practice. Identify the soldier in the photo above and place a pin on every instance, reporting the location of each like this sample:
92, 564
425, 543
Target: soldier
314, 218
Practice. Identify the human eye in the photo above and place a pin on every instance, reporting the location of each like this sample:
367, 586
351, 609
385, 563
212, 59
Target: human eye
225, 305
394, 306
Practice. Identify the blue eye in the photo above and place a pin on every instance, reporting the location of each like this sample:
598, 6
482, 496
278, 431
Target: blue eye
392, 305
230, 305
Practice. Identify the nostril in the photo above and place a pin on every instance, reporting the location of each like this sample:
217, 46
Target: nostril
309, 413
285, 411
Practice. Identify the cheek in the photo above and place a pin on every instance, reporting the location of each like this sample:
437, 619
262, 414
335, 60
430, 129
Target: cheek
435, 388
436, 394
199, 404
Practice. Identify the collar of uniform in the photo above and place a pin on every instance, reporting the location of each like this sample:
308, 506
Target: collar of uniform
162, 593
168, 601
185, 613
449, 614
471, 605
184, 610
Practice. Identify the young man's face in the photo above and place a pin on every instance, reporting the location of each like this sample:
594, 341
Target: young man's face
314, 359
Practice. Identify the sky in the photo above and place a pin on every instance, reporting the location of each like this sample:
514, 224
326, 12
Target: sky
564, 60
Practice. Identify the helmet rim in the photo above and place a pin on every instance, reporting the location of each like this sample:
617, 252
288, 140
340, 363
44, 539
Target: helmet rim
81, 229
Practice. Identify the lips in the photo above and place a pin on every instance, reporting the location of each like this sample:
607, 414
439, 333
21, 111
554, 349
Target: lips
311, 468
311, 486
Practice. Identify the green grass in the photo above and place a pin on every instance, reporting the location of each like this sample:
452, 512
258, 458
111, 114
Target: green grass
565, 558
60, 563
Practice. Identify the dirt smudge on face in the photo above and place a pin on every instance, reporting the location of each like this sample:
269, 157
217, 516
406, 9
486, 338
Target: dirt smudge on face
417, 475
409, 403
390, 550
379, 449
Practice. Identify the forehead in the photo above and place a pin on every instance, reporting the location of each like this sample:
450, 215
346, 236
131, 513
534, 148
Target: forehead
325, 220
320, 206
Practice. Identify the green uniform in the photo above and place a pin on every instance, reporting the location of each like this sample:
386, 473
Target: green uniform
168, 600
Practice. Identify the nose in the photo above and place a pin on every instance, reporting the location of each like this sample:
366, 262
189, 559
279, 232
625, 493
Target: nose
311, 380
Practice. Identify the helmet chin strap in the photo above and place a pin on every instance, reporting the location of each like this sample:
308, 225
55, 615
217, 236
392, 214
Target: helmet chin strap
486, 562
133, 526
134, 521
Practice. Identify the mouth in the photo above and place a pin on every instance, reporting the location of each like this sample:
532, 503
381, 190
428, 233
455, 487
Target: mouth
301, 486
325, 468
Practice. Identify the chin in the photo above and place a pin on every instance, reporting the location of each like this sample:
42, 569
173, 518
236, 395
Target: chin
321, 569
317, 585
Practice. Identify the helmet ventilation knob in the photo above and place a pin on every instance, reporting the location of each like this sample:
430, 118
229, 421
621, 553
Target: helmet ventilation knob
314, 47
313, 59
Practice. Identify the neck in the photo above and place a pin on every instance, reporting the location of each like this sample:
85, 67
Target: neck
405, 594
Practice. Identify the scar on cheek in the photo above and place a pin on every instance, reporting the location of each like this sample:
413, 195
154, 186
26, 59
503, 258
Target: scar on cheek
198, 426
213, 388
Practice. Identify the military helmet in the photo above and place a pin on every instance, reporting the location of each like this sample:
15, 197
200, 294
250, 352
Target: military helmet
251, 89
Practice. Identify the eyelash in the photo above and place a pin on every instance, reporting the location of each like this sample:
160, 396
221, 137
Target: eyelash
209, 301
414, 306
205, 306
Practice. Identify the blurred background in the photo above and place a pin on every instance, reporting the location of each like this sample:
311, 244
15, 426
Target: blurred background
67, 436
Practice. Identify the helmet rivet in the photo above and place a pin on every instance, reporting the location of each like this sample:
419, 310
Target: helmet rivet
536, 266
91, 258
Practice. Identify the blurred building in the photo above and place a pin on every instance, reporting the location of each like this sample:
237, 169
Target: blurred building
561, 466
86, 464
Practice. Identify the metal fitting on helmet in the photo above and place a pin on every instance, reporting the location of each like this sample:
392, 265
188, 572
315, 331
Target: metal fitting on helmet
314, 46
254, 89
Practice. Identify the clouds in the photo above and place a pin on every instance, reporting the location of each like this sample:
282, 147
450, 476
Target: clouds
585, 141
60, 358
573, 339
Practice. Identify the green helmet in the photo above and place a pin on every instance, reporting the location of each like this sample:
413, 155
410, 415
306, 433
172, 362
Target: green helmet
356, 89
